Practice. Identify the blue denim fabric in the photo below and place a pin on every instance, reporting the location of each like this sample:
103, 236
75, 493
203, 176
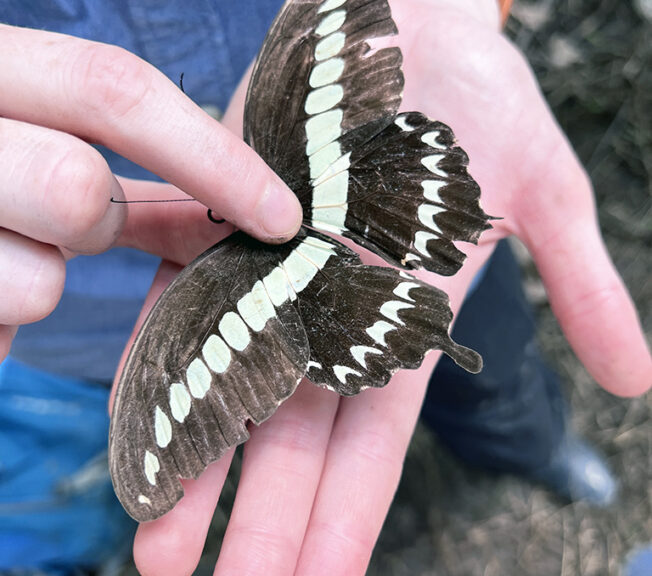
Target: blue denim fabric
57, 505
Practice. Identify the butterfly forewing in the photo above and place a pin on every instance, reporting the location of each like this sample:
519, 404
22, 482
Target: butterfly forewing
398, 185
315, 80
224, 345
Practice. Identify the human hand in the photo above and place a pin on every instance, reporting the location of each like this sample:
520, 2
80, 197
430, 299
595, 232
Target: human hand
59, 93
318, 477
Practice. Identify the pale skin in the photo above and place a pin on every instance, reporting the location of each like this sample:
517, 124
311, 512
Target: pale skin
319, 476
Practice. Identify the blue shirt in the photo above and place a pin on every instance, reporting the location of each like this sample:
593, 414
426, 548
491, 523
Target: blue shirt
212, 42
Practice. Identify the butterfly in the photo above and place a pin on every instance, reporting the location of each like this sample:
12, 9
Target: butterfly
233, 335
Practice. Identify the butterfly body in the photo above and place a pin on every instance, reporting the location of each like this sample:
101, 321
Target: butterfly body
248, 320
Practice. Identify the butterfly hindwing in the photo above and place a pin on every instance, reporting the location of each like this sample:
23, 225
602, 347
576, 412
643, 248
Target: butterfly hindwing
410, 196
365, 322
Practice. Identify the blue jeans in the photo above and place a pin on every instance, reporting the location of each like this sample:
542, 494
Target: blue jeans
57, 506
510, 417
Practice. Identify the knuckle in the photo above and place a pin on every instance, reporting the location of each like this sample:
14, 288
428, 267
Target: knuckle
268, 546
111, 80
38, 285
79, 185
379, 450
46, 286
348, 540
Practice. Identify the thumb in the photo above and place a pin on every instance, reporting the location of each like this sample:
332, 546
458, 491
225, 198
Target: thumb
557, 220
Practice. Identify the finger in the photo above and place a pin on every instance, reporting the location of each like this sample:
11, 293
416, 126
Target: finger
560, 228
107, 95
7, 334
366, 452
56, 189
32, 278
173, 543
280, 474
176, 231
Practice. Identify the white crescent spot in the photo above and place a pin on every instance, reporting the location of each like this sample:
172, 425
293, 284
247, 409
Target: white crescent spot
431, 190
378, 331
427, 213
421, 239
431, 162
403, 290
358, 352
390, 310
401, 122
341, 372
430, 139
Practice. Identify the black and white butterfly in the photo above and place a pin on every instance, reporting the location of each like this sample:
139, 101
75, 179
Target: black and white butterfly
232, 336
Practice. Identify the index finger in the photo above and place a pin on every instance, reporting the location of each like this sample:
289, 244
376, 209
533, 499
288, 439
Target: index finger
107, 95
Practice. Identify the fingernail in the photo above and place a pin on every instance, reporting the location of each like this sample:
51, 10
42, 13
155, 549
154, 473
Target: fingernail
279, 212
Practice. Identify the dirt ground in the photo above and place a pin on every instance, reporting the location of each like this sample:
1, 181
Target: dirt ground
593, 59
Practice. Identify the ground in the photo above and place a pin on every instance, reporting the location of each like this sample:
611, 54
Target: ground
593, 59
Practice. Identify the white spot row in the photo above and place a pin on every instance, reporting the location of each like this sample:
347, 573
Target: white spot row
378, 331
427, 212
283, 283
328, 167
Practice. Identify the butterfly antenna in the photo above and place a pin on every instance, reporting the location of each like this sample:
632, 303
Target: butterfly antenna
114, 201
210, 212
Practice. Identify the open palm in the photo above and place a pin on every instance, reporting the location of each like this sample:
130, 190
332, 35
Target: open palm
318, 477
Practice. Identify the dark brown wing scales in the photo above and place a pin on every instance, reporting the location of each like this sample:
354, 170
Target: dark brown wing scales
409, 196
377, 320
315, 81
223, 346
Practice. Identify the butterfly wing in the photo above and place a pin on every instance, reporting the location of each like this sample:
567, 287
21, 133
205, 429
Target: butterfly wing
223, 346
315, 79
230, 338
381, 320
396, 185
409, 196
